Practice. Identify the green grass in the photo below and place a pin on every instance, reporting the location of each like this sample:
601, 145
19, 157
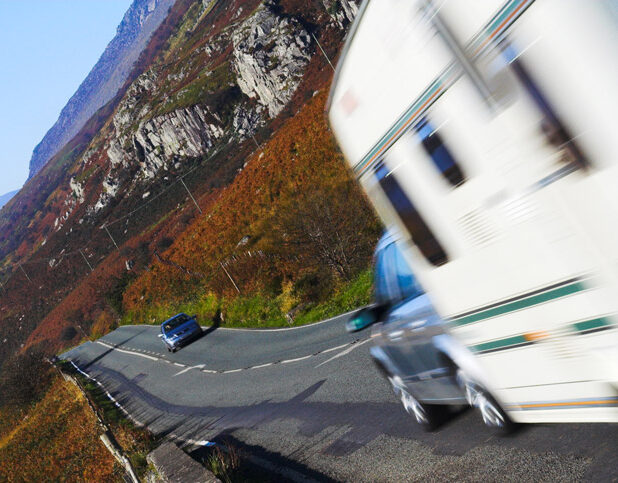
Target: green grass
258, 310
207, 82
350, 296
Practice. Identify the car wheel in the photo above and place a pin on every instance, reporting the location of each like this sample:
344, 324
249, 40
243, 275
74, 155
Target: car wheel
423, 413
478, 397
169, 349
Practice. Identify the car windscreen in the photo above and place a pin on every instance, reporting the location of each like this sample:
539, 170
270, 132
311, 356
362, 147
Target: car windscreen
394, 280
175, 322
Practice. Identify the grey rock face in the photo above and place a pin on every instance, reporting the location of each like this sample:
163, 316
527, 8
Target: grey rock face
245, 121
106, 77
270, 55
341, 11
188, 132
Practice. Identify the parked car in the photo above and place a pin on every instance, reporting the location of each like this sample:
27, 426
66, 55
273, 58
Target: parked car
412, 349
179, 330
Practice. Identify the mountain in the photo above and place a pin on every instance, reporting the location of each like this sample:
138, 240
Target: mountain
207, 183
5, 198
213, 162
106, 77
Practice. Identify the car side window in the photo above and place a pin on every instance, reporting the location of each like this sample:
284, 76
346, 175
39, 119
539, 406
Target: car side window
394, 280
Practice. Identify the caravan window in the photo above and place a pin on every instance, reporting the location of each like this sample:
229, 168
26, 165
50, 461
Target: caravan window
439, 153
555, 132
421, 234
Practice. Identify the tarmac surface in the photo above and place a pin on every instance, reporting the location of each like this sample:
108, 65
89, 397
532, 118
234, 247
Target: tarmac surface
308, 404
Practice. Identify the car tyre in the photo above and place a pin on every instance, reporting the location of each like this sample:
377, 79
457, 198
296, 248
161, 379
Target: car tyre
425, 414
481, 399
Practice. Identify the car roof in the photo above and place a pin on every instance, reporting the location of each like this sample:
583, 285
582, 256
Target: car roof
174, 317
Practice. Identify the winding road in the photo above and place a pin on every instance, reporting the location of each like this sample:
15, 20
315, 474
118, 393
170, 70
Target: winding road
308, 404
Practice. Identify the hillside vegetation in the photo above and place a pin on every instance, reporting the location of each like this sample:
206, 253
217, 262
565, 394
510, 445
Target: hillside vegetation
292, 229
56, 439
210, 184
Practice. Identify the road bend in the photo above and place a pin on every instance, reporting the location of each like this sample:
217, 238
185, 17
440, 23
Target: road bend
308, 403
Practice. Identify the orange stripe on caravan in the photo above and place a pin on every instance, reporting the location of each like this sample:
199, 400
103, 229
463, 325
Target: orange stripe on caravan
405, 125
504, 22
573, 403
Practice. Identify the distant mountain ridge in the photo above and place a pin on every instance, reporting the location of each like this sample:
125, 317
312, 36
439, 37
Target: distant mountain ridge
5, 198
106, 77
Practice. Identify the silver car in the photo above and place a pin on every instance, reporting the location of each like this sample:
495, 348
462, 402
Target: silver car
427, 368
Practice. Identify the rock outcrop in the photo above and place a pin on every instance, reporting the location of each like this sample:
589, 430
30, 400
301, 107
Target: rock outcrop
188, 132
270, 55
341, 11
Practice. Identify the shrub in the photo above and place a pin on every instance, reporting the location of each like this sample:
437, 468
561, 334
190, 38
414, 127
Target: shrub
24, 379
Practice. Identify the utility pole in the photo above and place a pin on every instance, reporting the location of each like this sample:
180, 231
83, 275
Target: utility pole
110, 235
323, 53
230, 277
86, 260
22, 269
194, 202
256, 143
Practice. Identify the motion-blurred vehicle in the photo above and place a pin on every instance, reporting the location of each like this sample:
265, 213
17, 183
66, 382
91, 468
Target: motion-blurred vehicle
485, 132
412, 348
179, 330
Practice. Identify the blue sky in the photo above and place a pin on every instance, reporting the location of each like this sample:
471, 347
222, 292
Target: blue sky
47, 47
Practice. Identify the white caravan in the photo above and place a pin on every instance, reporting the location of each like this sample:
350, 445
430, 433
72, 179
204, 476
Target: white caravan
487, 132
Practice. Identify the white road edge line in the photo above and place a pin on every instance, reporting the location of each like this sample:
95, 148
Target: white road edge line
238, 329
111, 398
262, 365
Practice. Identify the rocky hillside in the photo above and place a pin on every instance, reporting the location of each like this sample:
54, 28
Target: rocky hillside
196, 164
106, 77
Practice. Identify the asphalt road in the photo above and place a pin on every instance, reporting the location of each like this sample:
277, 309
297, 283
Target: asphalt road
307, 402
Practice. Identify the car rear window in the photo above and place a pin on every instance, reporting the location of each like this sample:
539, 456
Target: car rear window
175, 322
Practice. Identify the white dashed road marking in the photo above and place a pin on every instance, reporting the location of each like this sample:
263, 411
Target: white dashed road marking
141, 353
128, 352
343, 353
297, 359
199, 366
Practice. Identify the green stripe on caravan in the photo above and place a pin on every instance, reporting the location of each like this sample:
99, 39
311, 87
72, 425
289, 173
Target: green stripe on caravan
593, 324
520, 304
501, 344
583, 327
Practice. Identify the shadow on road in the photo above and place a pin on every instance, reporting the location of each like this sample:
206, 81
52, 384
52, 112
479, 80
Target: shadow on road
256, 463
